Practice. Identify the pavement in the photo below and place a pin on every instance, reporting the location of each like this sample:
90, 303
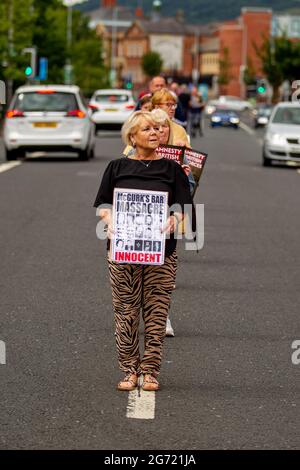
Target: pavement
227, 379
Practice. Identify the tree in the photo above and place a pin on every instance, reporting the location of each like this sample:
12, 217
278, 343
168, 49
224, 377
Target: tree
85, 51
152, 63
50, 31
16, 18
280, 61
249, 73
43, 23
87, 58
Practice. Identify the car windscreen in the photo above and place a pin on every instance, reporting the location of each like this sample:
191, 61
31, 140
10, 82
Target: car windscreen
46, 101
264, 111
287, 115
110, 98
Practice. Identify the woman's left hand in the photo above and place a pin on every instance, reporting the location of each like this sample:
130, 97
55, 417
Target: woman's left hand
186, 169
172, 224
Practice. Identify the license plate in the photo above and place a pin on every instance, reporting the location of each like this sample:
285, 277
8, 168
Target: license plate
110, 109
45, 124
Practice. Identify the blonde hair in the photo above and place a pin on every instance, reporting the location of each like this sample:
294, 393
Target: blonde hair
163, 95
160, 116
132, 124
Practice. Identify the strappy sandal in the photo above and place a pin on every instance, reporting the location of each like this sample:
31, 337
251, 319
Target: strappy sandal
150, 383
129, 382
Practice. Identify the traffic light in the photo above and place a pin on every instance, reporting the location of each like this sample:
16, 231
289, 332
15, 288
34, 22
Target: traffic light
261, 89
28, 71
31, 70
261, 86
128, 82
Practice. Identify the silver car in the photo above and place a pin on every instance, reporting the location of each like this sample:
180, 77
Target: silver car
48, 118
111, 108
227, 102
282, 138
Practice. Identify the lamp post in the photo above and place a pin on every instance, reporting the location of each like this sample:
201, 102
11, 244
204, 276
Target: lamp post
114, 42
68, 67
11, 51
195, 71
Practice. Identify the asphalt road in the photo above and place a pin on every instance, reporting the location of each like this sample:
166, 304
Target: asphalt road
227, 378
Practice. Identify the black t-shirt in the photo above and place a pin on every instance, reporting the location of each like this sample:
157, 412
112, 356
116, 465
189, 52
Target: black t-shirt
160, 175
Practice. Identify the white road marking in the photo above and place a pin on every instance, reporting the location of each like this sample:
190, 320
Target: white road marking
141, 405
251, 132
298, 171
8, 166
247, 128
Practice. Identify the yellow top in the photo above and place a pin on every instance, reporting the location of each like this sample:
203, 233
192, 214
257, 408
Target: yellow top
178, 134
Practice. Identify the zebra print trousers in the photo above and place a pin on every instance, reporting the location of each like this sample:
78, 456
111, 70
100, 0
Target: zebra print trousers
148, 288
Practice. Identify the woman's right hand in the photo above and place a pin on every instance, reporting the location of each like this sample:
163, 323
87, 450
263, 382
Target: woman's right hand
110, 231
180, 143
106, 216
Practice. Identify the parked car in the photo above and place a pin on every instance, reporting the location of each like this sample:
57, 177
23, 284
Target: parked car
48, 118
225, 117
282, 138
229, 102
261, 115
111, 108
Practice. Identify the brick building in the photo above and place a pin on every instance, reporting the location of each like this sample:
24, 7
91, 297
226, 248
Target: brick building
238, 39
172, 38
127, 36
188, 51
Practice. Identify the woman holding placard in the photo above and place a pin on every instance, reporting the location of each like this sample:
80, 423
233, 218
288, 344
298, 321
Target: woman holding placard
137, 286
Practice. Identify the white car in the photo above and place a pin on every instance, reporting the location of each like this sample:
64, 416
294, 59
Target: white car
282, 138
48, 118
227, 102
111, 108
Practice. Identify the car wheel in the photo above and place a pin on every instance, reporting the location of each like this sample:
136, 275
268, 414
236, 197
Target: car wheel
84, 155
92, 152
11, 155
266, 161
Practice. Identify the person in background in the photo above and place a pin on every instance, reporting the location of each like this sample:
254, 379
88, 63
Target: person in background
146, 102
196, 107
134, 286
166, 100
167, 138
156, 84
180, 116
174, 87
184, 97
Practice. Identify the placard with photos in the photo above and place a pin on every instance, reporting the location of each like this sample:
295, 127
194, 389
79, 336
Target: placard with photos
138, 219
